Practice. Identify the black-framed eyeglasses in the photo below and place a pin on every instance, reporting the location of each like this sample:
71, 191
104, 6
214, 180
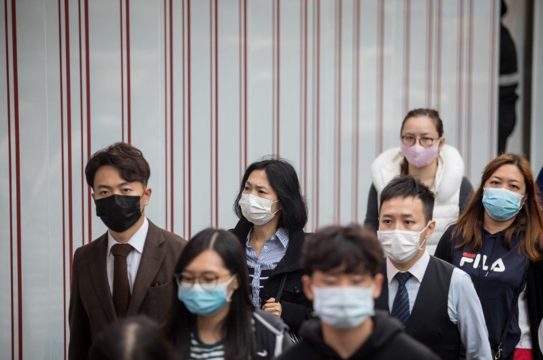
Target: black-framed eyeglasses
208, 282
424, 141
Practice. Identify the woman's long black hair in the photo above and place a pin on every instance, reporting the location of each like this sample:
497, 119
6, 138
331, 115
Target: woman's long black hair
237, 328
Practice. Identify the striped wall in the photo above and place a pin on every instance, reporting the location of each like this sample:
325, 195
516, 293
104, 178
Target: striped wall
203, 88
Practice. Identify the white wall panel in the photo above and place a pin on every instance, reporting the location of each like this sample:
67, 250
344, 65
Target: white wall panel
203, 88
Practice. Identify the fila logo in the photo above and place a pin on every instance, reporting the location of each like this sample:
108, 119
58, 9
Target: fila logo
475, 260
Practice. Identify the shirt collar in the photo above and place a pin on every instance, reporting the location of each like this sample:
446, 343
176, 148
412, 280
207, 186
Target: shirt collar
417, 269
137, 240
281, 234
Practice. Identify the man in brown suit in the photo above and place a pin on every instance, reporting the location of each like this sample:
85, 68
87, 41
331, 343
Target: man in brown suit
109, 283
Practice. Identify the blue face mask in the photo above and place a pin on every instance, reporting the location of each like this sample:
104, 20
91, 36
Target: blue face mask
501, 204
343, 307
204, 300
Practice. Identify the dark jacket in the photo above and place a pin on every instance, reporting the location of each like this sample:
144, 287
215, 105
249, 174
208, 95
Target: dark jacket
91, 302
447, 251
387, 341
296, 307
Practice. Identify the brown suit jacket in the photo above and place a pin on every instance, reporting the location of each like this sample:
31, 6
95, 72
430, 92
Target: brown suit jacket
91, 303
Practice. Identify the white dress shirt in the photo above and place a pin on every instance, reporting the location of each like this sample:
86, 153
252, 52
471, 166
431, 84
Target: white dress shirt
137, 241
463, 305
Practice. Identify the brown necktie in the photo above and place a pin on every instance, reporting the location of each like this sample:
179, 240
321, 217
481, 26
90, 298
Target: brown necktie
121, 287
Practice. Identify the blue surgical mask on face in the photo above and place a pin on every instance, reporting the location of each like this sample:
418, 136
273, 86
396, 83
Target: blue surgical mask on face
204, 300
501, 204
343, 307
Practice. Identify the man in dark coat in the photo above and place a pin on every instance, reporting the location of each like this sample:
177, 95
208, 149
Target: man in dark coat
129, 269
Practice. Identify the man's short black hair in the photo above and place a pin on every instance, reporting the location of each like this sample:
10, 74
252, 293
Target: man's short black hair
351, 249
124, 157
407, 186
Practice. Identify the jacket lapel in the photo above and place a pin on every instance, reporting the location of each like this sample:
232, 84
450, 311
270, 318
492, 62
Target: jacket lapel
291, 261
97, 271
151, 259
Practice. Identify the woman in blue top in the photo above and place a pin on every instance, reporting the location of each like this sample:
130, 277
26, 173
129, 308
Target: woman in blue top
272, 216
498, 242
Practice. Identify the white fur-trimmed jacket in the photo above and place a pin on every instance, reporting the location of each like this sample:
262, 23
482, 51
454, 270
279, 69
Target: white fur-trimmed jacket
452, 190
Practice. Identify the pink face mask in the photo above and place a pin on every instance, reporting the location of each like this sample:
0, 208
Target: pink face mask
420, 156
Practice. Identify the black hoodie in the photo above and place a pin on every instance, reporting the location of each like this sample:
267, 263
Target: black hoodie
387, 342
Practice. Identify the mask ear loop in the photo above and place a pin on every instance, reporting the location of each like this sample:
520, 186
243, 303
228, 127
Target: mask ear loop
229, 296
421, 246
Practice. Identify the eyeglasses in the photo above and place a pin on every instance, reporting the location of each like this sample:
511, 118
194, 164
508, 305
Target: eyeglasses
208, 282
425, 141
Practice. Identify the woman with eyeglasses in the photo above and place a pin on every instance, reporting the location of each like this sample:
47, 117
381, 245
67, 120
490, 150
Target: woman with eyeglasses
424, 155
498, 242
272, 216
214, 318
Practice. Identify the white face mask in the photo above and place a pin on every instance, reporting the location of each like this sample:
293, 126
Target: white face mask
256, 209
401, 245
343, 307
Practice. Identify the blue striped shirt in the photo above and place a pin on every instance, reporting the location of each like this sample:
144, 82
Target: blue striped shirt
261, 266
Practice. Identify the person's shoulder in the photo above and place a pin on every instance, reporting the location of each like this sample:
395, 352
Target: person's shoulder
386, 158
84, 250
411, 349
171, 239
445, 264
462, 281
299, 351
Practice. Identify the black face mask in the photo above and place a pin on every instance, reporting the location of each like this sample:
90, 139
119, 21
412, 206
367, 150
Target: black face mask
119, 212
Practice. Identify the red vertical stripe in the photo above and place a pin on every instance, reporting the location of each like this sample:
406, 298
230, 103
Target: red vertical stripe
407, 53
380, 75
184, 119
459, 92
122, 67
316, 104
69, 129
216, 113
429, 50
438, 55
305, 96
81, 132
62, 161
492, 75
17, 174
243, 83
356, 108
245, 75
211, 114
128, 86
8, 101
276, 12
172, 214
470, 87
166, 188
88, 95
338, 49
273, 109
189, 121
240, 41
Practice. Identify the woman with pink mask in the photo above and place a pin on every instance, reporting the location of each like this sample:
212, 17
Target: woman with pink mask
424, 155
